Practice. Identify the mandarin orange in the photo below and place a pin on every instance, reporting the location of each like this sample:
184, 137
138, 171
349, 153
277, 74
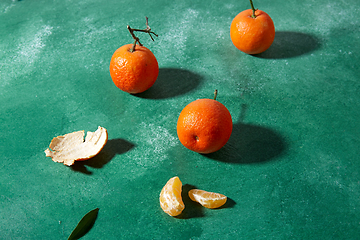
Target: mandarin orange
207, 199
170, 197
204, 126
133, 71
252, 31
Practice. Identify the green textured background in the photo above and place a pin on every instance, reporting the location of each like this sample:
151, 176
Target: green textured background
290, 169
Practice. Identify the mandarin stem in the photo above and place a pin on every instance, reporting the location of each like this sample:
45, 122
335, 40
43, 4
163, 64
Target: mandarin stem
133, 47
215, 94
146, 30
253, 9
134, 37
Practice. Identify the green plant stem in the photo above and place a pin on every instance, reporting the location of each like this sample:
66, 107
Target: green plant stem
215, 94
253, 9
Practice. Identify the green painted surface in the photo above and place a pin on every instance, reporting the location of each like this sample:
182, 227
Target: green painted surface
290, 169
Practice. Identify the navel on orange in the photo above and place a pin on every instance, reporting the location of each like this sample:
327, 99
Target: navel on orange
252, 31
204, 126
170, 197
207, 199
133, 72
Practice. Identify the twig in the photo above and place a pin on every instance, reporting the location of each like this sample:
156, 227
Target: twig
146, 30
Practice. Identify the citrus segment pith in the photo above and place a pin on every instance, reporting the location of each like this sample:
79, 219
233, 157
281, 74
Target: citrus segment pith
207, 199
170, 197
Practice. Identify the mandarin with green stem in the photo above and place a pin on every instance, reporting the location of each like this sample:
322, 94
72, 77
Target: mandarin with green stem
204, 125
252, 31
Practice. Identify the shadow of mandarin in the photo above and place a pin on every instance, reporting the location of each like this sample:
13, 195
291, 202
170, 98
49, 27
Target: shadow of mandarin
172, 82
250, 143
288, 44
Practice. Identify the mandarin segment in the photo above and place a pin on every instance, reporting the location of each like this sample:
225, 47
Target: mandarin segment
207, 199
170, 197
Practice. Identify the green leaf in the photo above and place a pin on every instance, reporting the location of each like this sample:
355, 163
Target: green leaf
84, 225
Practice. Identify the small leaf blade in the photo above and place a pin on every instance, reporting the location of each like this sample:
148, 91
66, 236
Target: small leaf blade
84, 225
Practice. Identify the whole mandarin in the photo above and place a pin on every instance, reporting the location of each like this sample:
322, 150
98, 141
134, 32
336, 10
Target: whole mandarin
204, 126
252, 31
133, 72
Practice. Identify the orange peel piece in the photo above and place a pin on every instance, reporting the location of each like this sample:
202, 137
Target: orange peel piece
72, 147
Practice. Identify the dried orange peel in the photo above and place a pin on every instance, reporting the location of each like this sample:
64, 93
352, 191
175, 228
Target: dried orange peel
72, 147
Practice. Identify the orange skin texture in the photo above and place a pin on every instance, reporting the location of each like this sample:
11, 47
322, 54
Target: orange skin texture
204, 126
252, 35
133, 72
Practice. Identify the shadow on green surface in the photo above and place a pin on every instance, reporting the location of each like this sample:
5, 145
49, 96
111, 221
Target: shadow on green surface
112, 147
250, 144
229, 204
289, 44
192, 209
172, 82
